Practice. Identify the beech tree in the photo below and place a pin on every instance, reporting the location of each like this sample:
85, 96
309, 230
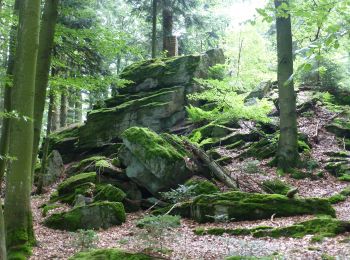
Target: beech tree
46, 39
287, 153
18, 216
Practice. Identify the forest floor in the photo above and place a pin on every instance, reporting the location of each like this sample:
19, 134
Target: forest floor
182, 243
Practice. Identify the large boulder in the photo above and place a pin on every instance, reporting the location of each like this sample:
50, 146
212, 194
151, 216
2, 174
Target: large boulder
250, 206
155, 98
152, 161
94, 216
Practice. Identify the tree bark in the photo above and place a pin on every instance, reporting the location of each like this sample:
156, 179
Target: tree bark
79, 107
167, 25
46, 40
154, 28
5, 130
50, 112
287, 153
18, 216
63, 109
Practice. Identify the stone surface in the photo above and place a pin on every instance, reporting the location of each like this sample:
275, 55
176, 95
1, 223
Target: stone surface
55, 168
250, 206
93, 216
152, 162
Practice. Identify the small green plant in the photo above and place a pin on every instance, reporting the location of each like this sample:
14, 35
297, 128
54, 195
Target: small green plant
251, 166
85, 239
181, 194
154, 229
222, 218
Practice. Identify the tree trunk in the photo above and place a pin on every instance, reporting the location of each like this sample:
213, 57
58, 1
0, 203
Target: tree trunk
167, 26
63, 109
154, 29
287, 153
46, 39
55, 115
5, 130
79, 107
46, 144
18, 216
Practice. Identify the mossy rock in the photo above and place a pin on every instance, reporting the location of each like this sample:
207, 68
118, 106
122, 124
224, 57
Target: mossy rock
321, 226
337, 198
94, 216
340, 127
159, 110
155, 162
153, 74
250, 206
217, 231
64, 141
110, 254
276, 186
110, 193
202, 186
211, 130
338, 167
70, 184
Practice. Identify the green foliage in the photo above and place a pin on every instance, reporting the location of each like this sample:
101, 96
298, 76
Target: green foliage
251, 166
218, 72
181, 194
276, 186
154, 228
85, 239
229, 104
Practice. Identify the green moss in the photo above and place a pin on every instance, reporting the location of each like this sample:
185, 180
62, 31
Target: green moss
233, 232
47, 208
211, 130
161, 221
346, 191
321, 226
202, 187
345, 177
110, 193
20, 242
336, 198
250, 206
276, 186
155, 145
110, 254
93, 216
70, 184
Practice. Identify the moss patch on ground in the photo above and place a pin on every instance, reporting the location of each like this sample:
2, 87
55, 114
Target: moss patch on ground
110, 254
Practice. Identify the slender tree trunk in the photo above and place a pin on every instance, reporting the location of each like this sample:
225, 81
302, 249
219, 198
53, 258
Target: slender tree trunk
39, 189
79, 107
18, 216
63, 109
5, 130
287, 154
3, 254
46, 39
167, 25
154, 28
71, 106
55, 115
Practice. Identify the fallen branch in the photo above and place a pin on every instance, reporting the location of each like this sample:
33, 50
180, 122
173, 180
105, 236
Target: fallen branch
218, 171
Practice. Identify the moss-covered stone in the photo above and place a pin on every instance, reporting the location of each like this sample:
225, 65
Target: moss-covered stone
110, 193
152, 161
211, 130
202, 186
70, 184
93, 216
64, 141
336, 198
340, 127
110, 254
322, 226
250, 206
276, 186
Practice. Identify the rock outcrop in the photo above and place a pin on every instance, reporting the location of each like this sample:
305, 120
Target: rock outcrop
155, 97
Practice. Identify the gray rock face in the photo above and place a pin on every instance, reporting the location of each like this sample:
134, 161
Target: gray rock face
55, 168
155, 98
152, 162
